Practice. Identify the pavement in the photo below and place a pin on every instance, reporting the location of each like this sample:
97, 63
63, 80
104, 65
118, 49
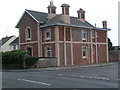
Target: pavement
62, 67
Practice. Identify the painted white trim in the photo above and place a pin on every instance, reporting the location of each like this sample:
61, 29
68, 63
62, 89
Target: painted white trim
48, 42
26, 34
71, 46
32, 16
65, 58
26, 11
32, 42
107, 47
72, 42
38, 32
41, 43
19, 38
96, 46
20, 18
91, 48
57, 45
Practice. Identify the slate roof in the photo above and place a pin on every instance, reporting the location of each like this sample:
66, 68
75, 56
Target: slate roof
39, 16
5, 39
42, 18
16, 41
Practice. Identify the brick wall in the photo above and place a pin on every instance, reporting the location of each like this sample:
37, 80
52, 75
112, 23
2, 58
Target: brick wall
27, 21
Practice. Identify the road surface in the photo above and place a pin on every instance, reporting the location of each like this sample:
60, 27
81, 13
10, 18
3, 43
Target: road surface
84, 77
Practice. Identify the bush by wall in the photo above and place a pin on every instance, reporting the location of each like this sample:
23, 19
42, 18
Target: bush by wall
13, 59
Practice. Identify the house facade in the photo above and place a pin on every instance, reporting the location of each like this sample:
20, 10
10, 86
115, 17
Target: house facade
6, 43
15, 44
72, 40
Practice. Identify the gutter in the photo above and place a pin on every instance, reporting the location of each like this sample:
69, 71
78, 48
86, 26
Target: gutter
70, 25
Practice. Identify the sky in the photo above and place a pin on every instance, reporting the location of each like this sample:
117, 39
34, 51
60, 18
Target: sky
96, 12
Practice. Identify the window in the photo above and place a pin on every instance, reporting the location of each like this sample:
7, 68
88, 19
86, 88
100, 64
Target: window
48, 34
84, 52
83, 35
93, 34
29, 50
48, 51
14, 47
28, 33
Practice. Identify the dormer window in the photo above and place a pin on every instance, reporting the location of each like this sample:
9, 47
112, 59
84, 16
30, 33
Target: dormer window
48, 34
83, 35
28, 33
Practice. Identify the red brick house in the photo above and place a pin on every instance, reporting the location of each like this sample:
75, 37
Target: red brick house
72, 40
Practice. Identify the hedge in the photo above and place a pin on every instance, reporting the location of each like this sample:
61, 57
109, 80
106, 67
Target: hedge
17, 57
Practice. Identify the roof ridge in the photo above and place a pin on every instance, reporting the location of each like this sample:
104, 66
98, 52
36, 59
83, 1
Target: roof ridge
36, 11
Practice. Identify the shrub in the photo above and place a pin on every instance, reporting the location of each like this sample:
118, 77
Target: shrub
13, 57
118, 48
17, 57
29, 61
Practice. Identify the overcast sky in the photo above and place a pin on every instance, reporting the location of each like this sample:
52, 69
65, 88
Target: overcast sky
96, 12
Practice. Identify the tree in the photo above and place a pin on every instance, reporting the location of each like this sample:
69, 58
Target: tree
110, 45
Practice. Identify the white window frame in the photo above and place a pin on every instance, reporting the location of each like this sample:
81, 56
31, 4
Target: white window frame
28, 38
83, 33
48, 31
84, 49
14, 47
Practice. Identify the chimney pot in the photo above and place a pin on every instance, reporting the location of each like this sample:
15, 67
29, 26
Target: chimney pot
81, 15
104, 24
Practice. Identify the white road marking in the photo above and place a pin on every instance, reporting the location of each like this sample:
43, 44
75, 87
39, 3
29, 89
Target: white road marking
95, 77
60, 74
89, 77
104, 78
82, 76
35, 82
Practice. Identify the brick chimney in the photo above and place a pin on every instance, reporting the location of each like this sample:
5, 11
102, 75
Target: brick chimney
81, 15
104, 24
51, 10
65, 13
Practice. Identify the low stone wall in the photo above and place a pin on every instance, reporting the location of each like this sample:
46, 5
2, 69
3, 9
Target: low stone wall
46, 62
114, 56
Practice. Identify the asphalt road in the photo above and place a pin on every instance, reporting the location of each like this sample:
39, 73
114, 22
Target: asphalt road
84, 77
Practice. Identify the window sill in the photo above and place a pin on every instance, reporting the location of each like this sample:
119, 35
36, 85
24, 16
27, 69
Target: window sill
84, 57
83, 39
47, 38
28, 39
